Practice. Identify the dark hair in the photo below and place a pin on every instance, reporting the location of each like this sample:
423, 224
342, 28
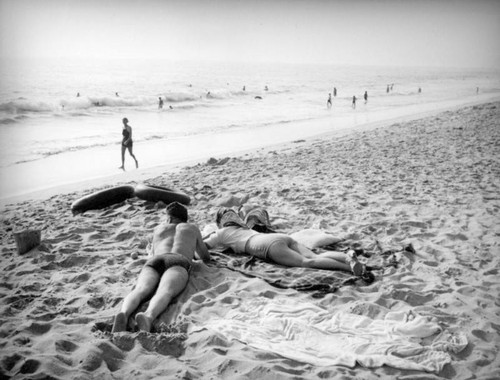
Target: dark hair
125, 120
176, 210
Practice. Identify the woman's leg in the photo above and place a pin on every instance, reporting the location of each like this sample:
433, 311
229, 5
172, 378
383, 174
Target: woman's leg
146, 284
172, 283
348, 259
123, 157
304, 251
282, 252
132, 154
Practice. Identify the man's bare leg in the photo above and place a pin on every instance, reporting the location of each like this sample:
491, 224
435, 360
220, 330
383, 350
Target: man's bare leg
172, 283
146, 283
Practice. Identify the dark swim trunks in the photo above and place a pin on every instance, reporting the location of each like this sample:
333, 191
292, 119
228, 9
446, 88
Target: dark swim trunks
162, 262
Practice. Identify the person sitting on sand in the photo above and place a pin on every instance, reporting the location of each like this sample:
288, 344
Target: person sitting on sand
127, 143
275, 247
175, 244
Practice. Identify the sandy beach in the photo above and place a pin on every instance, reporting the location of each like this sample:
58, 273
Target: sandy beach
421, 198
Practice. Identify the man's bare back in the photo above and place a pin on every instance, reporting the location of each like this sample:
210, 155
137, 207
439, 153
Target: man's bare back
175, 244
182, 238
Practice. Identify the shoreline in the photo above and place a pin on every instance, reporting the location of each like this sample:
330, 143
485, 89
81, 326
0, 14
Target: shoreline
157, 170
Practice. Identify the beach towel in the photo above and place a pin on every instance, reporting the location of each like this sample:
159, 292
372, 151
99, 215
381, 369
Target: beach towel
308, 333
318, 281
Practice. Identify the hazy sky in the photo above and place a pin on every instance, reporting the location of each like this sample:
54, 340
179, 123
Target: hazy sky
380, 32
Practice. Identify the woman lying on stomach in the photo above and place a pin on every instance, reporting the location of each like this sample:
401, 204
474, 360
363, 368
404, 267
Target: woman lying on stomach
279, 248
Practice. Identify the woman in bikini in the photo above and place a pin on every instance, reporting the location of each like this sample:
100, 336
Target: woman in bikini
279, 248
127, 143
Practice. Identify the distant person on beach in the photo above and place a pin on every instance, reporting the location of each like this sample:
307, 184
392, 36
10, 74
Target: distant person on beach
266, 88
334, 92
164, 276
116, 94
77, 94
279, 248
366, 97
160, 103
329, 101
244, 88
419, 90
127, 143
388, 89
477, 90
354, 101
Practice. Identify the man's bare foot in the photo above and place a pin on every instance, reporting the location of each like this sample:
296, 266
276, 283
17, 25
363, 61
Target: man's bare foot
143, 322
120, 323
122, 167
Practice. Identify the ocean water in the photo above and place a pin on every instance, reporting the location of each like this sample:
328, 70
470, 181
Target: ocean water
50, 136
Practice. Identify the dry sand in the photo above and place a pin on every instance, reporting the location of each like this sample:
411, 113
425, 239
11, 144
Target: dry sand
432, 182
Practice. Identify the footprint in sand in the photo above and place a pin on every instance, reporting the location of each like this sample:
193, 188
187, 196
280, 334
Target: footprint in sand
39, 328
73, 260
89, 359
96, 302
111, 355
30, 366
9, 362
65, 346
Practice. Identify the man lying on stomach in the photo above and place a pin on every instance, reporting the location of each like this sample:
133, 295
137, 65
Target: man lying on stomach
175, 244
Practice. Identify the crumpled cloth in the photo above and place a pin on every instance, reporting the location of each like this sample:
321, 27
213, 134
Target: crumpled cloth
310, 334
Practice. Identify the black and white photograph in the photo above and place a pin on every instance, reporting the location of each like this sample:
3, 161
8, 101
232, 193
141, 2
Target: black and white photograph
250, 189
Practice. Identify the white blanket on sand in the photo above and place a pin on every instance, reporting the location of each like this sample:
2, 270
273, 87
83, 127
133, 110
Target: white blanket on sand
307, 333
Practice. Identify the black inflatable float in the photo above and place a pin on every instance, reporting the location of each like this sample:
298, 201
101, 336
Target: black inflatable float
103, 198
117, 194
158, 193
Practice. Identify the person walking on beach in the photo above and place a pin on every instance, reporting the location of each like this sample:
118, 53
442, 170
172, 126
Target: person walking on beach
329, 101
160, 103
366, 97
354, 102
164, 276
279, 248
127, 143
